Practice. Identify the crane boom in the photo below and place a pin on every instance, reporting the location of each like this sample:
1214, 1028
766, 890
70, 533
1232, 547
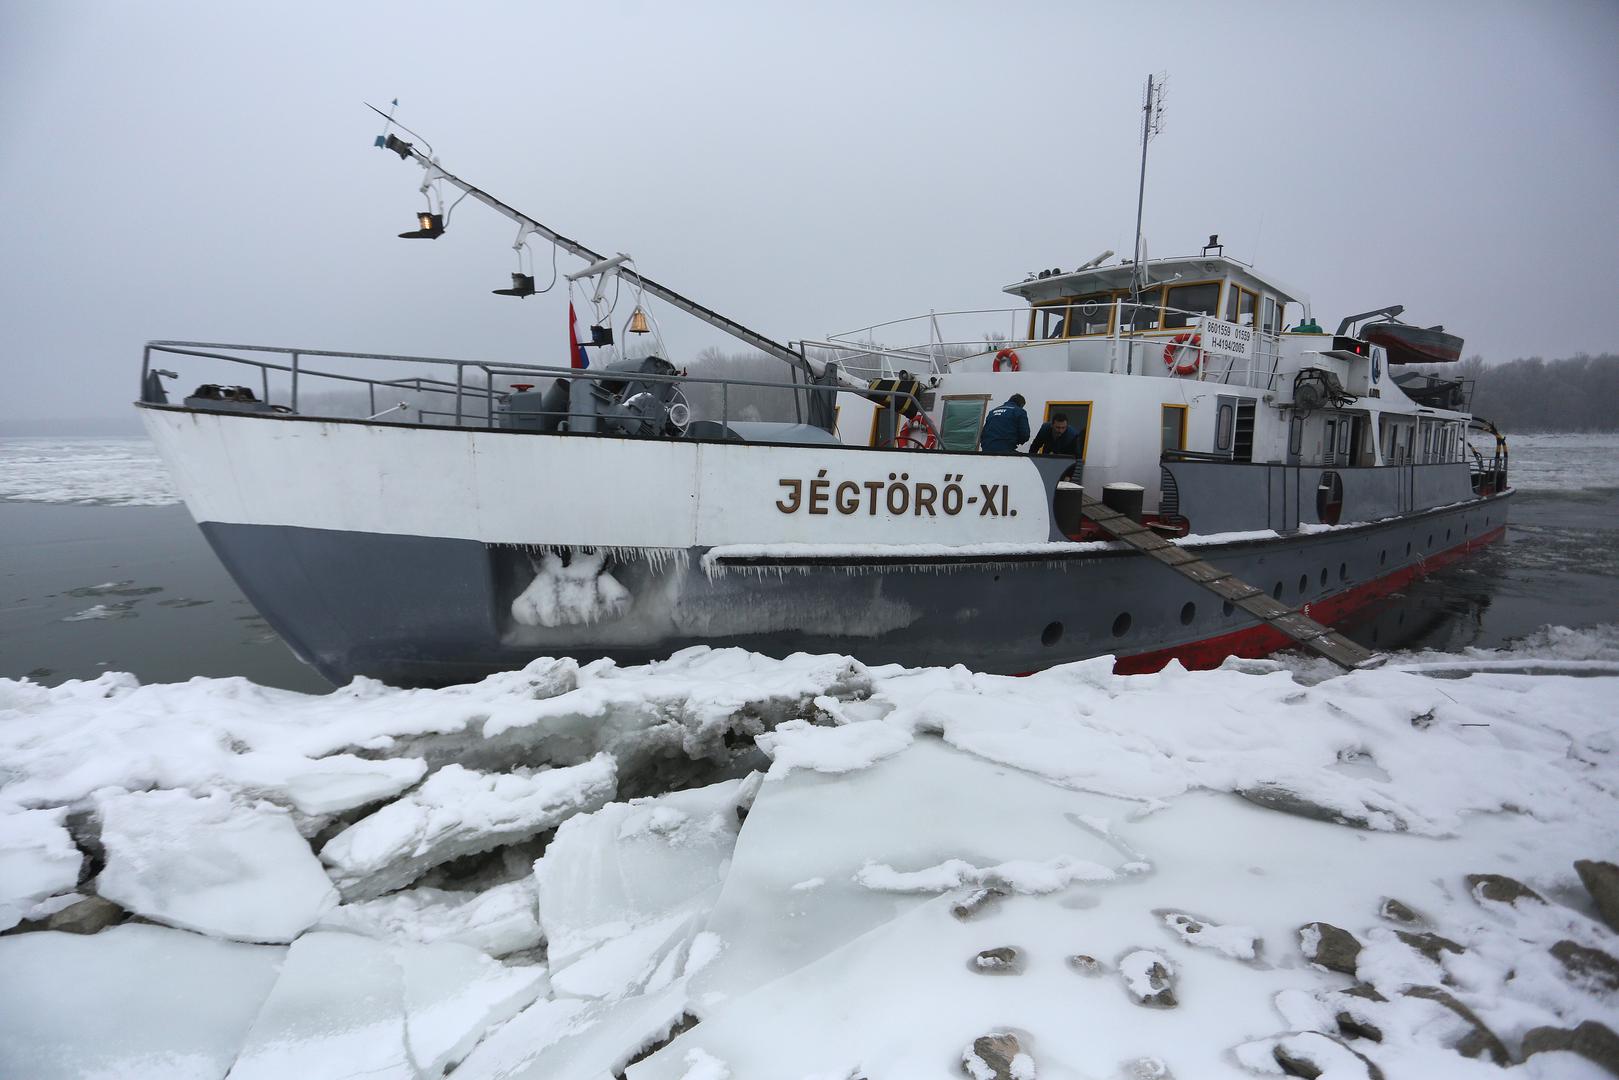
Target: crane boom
662, 292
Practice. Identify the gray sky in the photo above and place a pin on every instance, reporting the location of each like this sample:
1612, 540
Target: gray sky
204, 171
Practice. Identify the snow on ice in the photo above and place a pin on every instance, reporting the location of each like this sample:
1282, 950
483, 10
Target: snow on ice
1262, 870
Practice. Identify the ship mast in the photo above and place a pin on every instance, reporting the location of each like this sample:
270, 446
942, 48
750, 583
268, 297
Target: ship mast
1152, 122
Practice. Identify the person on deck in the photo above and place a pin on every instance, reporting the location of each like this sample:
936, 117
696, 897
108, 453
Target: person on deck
1005, 428
1056, 439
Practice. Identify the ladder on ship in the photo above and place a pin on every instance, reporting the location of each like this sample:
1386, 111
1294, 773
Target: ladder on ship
1290, 622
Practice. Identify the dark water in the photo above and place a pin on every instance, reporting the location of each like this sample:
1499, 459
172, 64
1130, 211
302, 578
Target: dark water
172, 612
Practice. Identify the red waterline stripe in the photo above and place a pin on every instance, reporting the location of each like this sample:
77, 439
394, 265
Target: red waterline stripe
1262, 640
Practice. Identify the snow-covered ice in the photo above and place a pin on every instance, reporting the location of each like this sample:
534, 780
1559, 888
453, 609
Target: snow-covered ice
1110, 874
209, 865
37, 861
132, 1002
457, 812
108, 472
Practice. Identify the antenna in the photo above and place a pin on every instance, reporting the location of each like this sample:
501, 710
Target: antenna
1152, 124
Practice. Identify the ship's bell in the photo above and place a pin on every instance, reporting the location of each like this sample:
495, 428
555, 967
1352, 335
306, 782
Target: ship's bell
638, 323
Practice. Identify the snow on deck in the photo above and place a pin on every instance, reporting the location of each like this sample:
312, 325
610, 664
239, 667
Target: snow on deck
809, 867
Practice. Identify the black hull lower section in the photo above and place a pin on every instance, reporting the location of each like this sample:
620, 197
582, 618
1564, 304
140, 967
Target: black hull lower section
417, 611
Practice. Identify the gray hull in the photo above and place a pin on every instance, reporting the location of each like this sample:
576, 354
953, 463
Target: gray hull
428, 611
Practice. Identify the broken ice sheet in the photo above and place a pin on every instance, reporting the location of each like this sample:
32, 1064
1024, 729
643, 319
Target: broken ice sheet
499, 920
457, 812
134, 1002
37, 860
623, 890
209, 865
453, 994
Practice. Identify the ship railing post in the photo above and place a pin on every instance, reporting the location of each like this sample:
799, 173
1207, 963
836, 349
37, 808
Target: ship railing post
371, 389
458, 373
146, 367
294, 382
264, 383
725, 404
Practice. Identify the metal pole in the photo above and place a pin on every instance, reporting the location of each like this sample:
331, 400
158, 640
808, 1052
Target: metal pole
294, 382
146, 366
1141, 194
264, 383
458, 370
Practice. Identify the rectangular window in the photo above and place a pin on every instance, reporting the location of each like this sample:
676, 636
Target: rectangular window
1295, 435
1343, 442
1091, 315
1049, 321
1330, 443
960, 422
1145, 315
1273, 316
1239, 305
1172, 424
1224, 418
1079, 419
1187, 302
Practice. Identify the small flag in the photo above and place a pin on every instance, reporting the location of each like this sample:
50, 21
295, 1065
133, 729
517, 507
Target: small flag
576, 351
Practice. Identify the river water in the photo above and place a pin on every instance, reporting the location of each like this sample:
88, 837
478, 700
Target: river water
101, 569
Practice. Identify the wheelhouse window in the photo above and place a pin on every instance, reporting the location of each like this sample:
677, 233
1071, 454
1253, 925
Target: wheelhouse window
1272, 320
1050, 321
1239, 305
1187, 302
1144, 314
1092, 314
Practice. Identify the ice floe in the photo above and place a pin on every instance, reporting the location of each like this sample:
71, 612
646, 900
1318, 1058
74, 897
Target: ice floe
729, 865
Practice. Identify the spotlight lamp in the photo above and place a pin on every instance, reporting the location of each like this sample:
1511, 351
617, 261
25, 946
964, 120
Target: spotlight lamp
429, 227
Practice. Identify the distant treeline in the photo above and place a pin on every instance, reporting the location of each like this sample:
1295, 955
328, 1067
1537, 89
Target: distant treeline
1580, 393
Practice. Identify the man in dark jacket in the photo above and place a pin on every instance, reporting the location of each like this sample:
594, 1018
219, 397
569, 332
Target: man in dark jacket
1057, 439
1005, 428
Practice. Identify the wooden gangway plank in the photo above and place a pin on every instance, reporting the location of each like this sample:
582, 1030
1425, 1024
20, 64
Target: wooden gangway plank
1290, 622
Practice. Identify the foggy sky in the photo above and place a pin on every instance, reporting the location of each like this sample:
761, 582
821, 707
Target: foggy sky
205, 171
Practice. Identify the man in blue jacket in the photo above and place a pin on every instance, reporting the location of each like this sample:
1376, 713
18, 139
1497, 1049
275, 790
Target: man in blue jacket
1005, 428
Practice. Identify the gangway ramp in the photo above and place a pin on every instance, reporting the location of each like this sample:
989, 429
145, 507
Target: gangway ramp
1290, 622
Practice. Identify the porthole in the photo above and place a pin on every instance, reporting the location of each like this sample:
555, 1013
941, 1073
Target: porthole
1465, 527
1188, 613
1408, 549
1226, 608
1304, 583
1447, 535
1343, 571
1323, 577
1051, 634
1430, 541
1276, 590
1382, 557
1121, 625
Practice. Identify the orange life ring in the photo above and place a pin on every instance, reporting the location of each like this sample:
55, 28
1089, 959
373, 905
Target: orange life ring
1171, 350
1009, 358
917, 434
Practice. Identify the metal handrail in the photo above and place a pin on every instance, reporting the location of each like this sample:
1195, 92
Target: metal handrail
460, 387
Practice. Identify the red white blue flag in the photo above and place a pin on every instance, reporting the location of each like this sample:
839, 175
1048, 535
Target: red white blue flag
576, 351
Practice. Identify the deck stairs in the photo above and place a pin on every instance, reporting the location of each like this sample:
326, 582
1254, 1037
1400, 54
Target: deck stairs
1292, 623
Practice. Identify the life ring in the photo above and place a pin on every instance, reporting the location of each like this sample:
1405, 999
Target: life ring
1009, 358
917, 434
1172, 350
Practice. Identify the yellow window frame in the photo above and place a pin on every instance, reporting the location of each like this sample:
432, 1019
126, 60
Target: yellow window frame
1090, 414
1182, 409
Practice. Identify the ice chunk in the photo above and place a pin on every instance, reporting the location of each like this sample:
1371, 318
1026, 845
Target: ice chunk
454, 994
209, 865
629, 865
337, 1011
458, 812
134, 1002
37, 861
327, 785
799, 745
498, 921
570, 1038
